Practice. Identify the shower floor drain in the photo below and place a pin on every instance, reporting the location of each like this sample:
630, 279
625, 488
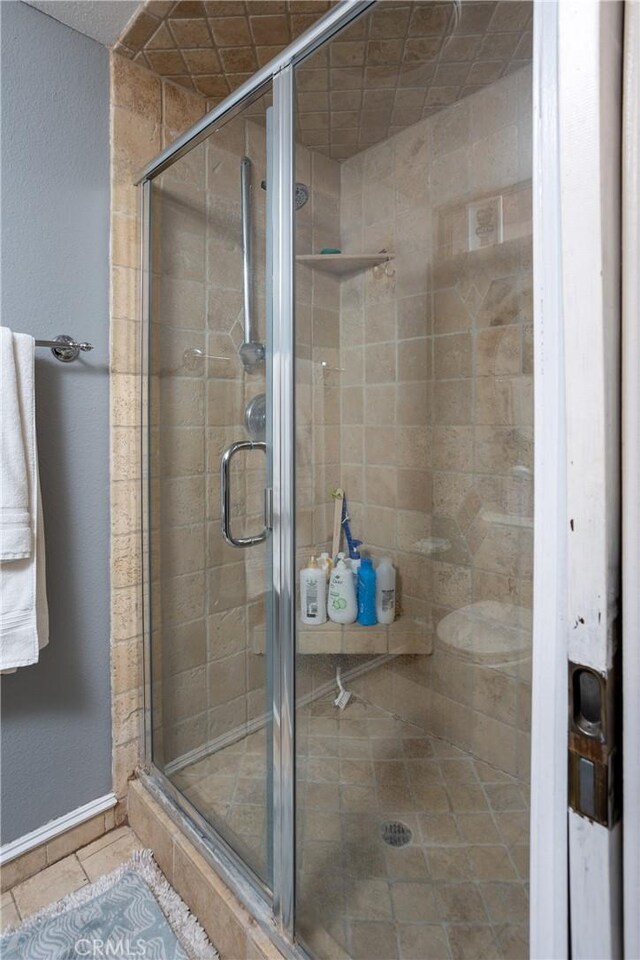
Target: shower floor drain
395, 833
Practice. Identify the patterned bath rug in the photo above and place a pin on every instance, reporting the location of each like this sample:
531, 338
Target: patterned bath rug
130, 914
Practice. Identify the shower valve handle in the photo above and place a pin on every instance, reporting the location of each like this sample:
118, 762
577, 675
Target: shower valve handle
225, 494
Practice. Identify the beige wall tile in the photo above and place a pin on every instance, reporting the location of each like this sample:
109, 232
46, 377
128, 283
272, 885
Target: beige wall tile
414, 360
126, 757
180, 108
414, 490
499, 351
452, 402
20, 869
125, 241
127, 716
452, 357
126, 666
449, 312
153, 827
209, 900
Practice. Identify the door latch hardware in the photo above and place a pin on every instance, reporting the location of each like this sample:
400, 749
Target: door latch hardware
593, 750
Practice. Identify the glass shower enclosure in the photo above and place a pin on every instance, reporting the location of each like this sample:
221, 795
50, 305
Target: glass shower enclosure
338, 326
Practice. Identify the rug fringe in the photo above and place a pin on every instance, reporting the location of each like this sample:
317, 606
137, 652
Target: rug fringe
185, 925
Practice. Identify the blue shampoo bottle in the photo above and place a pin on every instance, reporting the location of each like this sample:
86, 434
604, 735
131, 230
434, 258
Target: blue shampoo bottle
367, 593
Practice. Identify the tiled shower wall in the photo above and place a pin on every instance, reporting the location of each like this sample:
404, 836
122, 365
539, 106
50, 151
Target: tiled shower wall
437, 398
317, 339
404, 398
208, 598
210, 620
146, 114
386, 356
210, 594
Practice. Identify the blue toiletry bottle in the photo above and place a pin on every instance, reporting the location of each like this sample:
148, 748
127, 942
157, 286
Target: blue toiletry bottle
367, 593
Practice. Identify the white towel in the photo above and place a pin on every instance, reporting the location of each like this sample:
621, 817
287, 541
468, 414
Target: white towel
24, 615
15, 522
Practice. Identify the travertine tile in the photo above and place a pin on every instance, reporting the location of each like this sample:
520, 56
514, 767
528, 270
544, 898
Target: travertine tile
471, 941
376, 941
460, 903
506, 902
154, 829
512, 941
135, 89
21, 868
76, 838
9, 916
111, 855
423, 940
209, 900
105, 841
50, 884
491, 863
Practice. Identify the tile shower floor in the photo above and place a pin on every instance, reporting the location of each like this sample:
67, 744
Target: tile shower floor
458, 889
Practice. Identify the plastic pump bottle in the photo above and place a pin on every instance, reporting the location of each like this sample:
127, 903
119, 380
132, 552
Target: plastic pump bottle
354, 563
367, 593
326, 564
313, 594
386, 591
341, 605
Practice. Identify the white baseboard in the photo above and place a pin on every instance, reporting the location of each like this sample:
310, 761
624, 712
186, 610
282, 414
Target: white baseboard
55, 827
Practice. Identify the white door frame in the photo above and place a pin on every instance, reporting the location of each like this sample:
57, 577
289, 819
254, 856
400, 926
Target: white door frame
577, 67
548, 833
631, 474
590, 100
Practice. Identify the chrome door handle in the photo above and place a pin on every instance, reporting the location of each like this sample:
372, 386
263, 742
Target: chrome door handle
225, 494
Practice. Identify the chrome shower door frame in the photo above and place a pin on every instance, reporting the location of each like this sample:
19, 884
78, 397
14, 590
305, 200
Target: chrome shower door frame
283, 484
549, 873
281, 633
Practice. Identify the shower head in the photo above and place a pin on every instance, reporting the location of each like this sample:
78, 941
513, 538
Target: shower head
301, 194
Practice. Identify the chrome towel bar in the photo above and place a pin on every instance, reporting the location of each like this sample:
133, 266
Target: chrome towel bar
65, 348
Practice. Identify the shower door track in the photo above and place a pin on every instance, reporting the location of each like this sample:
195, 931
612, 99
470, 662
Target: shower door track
222, 858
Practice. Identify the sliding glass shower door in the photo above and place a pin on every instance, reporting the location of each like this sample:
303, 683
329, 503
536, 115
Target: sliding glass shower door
414, 428
340, 360
209, 538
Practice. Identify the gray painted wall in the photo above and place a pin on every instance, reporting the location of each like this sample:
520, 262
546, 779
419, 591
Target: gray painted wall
56, 726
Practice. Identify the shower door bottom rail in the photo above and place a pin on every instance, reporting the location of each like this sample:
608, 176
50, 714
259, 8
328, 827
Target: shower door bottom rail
252, 894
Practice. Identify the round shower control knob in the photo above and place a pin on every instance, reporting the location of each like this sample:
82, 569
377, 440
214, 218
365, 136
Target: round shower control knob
255, 417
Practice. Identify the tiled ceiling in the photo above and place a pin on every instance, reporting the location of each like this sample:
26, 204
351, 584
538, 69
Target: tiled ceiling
388, 70
212, 47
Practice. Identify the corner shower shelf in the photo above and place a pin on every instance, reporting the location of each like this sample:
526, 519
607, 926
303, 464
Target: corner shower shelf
343, 263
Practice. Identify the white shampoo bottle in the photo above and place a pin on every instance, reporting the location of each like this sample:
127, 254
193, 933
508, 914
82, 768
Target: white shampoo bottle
385, 591
342, 605
313, 594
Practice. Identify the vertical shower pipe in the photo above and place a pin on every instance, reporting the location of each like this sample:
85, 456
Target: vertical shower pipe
252, 352
245, 195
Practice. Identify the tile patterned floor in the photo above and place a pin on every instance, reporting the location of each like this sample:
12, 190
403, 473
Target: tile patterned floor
457, 890
61, 878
